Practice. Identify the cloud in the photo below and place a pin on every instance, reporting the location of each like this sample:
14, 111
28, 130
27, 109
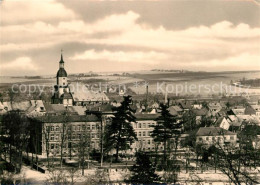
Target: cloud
21, 63
20, 12
150, 57
217, 44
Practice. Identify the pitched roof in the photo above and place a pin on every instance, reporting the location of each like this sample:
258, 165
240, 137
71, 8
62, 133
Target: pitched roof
219, 121
54, 108
36, 104
213, 131
240, 111
173, 111
249, 110
79, 110
200, 112
185, 105
69, 119
256, 107
81, 93
102, 108
146, 116
66, 95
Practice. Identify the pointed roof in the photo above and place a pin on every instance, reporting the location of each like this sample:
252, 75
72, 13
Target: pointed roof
61, 72
61, 58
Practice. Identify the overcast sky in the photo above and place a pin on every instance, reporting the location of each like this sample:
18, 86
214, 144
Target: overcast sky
211, 35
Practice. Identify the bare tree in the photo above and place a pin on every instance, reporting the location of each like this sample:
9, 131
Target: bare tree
57, 176
234, 161
46, 133
101, 176
63, 135
84, 147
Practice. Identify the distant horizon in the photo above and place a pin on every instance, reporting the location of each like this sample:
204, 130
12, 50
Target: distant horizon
131, 72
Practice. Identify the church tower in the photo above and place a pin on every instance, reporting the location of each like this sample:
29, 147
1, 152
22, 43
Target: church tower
62, 78
62, 93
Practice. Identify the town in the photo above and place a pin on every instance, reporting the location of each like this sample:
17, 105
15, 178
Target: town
91, 137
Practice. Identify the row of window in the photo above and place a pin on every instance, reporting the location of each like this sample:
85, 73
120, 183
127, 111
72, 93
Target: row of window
56, 146
143, 133
144, 125
145, 142
74, 128
214, 138
55, 137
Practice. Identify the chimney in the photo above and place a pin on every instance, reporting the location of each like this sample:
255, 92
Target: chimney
166, 94
146, 103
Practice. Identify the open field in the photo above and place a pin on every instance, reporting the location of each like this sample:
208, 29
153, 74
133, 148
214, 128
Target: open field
195, 83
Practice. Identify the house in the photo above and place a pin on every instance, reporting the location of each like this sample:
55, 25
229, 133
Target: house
221, 113
214, 108
37, 108
5, 107
175, 110
237, 111
249, 110
52, 129
143, 129
254, 100
257, 109
215, 135
197, 106
199, 113
155, 105
235, 126
185, 105
222, 123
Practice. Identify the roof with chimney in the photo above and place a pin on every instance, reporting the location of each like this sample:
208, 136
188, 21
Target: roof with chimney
213, 131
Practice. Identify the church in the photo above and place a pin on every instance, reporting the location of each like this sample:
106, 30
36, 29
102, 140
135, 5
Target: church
64, 95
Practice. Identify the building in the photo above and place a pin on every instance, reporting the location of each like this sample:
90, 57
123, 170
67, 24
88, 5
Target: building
143, 129
214, 108
215, 135
222, 122
62, 93
71, 128
74, 94
31, 108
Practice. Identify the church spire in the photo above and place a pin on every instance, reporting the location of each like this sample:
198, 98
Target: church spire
61, 60
61, 57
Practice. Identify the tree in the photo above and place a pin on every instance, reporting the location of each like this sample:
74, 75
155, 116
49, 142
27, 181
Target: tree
120, 134
233, 162
46, 135
17, 133
101, 176
84, 147
63, 134
143, 172
236, 162
189, 121
167, 127
206, 122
